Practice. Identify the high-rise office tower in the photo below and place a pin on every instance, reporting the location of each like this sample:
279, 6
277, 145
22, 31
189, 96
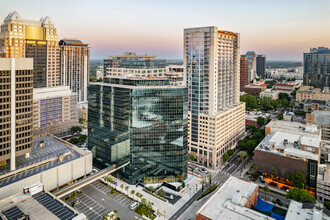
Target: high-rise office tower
140, 120
16, 97
33, 39
216, 118
244, 72
75, 66
252, 64
261, 66
317, 67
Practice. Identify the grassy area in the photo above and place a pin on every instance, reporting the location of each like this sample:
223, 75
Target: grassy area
158, 197
208, 191
146, 211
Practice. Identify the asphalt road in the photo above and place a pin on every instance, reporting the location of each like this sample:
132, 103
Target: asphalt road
187, 205
272, 195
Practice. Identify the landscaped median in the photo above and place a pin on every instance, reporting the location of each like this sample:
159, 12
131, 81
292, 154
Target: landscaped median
208, 191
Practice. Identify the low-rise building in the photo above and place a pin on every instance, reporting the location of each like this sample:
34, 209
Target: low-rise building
53, 162
288, 116
311, 105
42, 205
251, 118
255, 88
306, 211
323, 177
286, 87
54, 111
309, 92
296, 145
322, 119
273, 94
233, 200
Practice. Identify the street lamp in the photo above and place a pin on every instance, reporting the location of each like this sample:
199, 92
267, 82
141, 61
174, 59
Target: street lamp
164, 214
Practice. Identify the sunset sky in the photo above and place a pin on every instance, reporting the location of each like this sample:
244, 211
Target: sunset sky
280, 29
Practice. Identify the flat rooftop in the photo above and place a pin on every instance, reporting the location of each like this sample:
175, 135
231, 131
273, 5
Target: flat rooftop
230, 200
294, 127
41, 159
289, 144
299, 210
322, 117
39, 206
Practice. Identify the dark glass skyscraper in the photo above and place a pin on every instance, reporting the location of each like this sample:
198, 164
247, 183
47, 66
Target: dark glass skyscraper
261, 66
143, 121
317, 67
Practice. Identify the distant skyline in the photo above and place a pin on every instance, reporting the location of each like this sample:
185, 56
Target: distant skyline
281, 29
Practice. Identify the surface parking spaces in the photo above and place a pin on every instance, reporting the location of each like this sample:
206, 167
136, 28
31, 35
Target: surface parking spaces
104, 189
122, 200
89, 207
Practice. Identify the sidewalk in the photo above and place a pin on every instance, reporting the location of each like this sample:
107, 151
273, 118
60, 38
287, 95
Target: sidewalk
160, 206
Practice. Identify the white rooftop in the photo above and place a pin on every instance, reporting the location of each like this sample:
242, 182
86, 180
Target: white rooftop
52, 92
296, 211
289, 144
230, 200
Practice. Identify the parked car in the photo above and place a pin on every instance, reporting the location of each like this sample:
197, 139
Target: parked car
262, 179
76, 203
279, 202
134, 205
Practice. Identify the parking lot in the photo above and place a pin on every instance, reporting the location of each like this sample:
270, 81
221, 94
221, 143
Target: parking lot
95, 202
89, 207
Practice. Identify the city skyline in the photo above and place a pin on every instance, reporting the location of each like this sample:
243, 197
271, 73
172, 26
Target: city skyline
281, 30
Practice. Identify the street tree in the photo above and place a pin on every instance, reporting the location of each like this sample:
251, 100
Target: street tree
210, 176
225, 157
300, 195
203, 182
298, 180
274, 172
133, 193
191, 157
261, 121
121, 187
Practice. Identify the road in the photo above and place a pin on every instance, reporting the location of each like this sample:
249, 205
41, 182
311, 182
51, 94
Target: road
272, 195
187, 205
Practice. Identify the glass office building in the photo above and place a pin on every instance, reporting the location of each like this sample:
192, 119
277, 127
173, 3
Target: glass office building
317, 67
143, 121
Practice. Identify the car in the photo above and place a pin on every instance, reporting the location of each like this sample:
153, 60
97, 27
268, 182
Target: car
262, 179
134, 205
278, 201
76, 203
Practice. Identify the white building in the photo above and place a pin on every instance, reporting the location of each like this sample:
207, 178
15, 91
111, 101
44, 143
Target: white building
216, 118
273, 94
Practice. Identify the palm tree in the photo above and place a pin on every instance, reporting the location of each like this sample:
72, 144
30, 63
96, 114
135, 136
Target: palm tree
143, 201
133, 193
203, 182
137, 194
266, 189
209, 176
126, 188
121, 187
274, 173
141, 197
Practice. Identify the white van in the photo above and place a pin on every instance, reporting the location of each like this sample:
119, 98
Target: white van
134, 205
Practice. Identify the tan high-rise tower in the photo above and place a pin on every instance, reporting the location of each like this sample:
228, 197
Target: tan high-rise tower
211, 70
33, 39
16, 91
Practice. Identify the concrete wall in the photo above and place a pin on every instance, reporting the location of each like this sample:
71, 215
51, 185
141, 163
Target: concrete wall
52, 178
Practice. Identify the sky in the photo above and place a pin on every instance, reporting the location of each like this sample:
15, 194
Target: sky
280, 29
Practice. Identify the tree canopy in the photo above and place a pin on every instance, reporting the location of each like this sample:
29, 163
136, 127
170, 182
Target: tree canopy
298, 180
300, 195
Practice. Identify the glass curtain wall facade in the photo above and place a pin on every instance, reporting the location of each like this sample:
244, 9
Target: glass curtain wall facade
317, 67
141, 121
